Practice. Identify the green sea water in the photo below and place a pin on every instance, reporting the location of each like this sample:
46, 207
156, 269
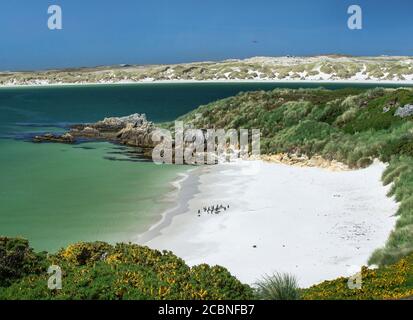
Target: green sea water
56, 194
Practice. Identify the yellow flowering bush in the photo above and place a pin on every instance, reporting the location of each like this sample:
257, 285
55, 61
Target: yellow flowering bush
82, 253
390, 282
127, 271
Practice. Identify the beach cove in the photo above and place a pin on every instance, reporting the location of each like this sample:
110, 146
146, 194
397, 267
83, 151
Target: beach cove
312, 222
56, 194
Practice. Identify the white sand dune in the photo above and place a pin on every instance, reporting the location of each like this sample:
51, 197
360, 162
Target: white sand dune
311, 222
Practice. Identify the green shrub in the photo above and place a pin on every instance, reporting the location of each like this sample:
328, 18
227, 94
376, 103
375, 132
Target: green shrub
294, 111
17, 260
279, 286
349, 115
125, 271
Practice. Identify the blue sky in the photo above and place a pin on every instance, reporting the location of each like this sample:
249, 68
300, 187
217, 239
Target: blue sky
103, 32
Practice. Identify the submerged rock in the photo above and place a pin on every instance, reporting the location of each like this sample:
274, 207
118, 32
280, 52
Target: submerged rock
49, 137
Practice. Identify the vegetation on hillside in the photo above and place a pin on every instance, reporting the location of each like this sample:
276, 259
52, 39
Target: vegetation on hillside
101, 271
389, 282
351, 125
126, 271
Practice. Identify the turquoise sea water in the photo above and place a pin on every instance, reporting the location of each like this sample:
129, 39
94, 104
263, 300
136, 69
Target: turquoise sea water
55, 194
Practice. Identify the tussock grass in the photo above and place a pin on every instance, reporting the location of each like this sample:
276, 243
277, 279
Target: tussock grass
278, 286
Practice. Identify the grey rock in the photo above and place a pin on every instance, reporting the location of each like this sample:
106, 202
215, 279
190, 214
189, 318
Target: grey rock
405, 111
49, 137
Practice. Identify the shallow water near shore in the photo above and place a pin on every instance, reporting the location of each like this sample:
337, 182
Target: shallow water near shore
56, 194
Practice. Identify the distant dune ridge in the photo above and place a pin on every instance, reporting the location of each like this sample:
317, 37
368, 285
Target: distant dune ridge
288, 68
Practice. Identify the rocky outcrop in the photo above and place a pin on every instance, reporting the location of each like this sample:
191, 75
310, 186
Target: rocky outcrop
305, 161
140, 135
133, 130
49, 137
404, 112
136, 119
136, 131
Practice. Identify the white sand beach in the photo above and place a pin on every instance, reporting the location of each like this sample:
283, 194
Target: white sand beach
314, 223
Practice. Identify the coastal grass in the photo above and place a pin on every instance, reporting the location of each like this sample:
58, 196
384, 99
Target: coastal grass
353, 126
278, 286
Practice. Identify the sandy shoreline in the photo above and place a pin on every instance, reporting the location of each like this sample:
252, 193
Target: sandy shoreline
184, 187
314, 223
368, 82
